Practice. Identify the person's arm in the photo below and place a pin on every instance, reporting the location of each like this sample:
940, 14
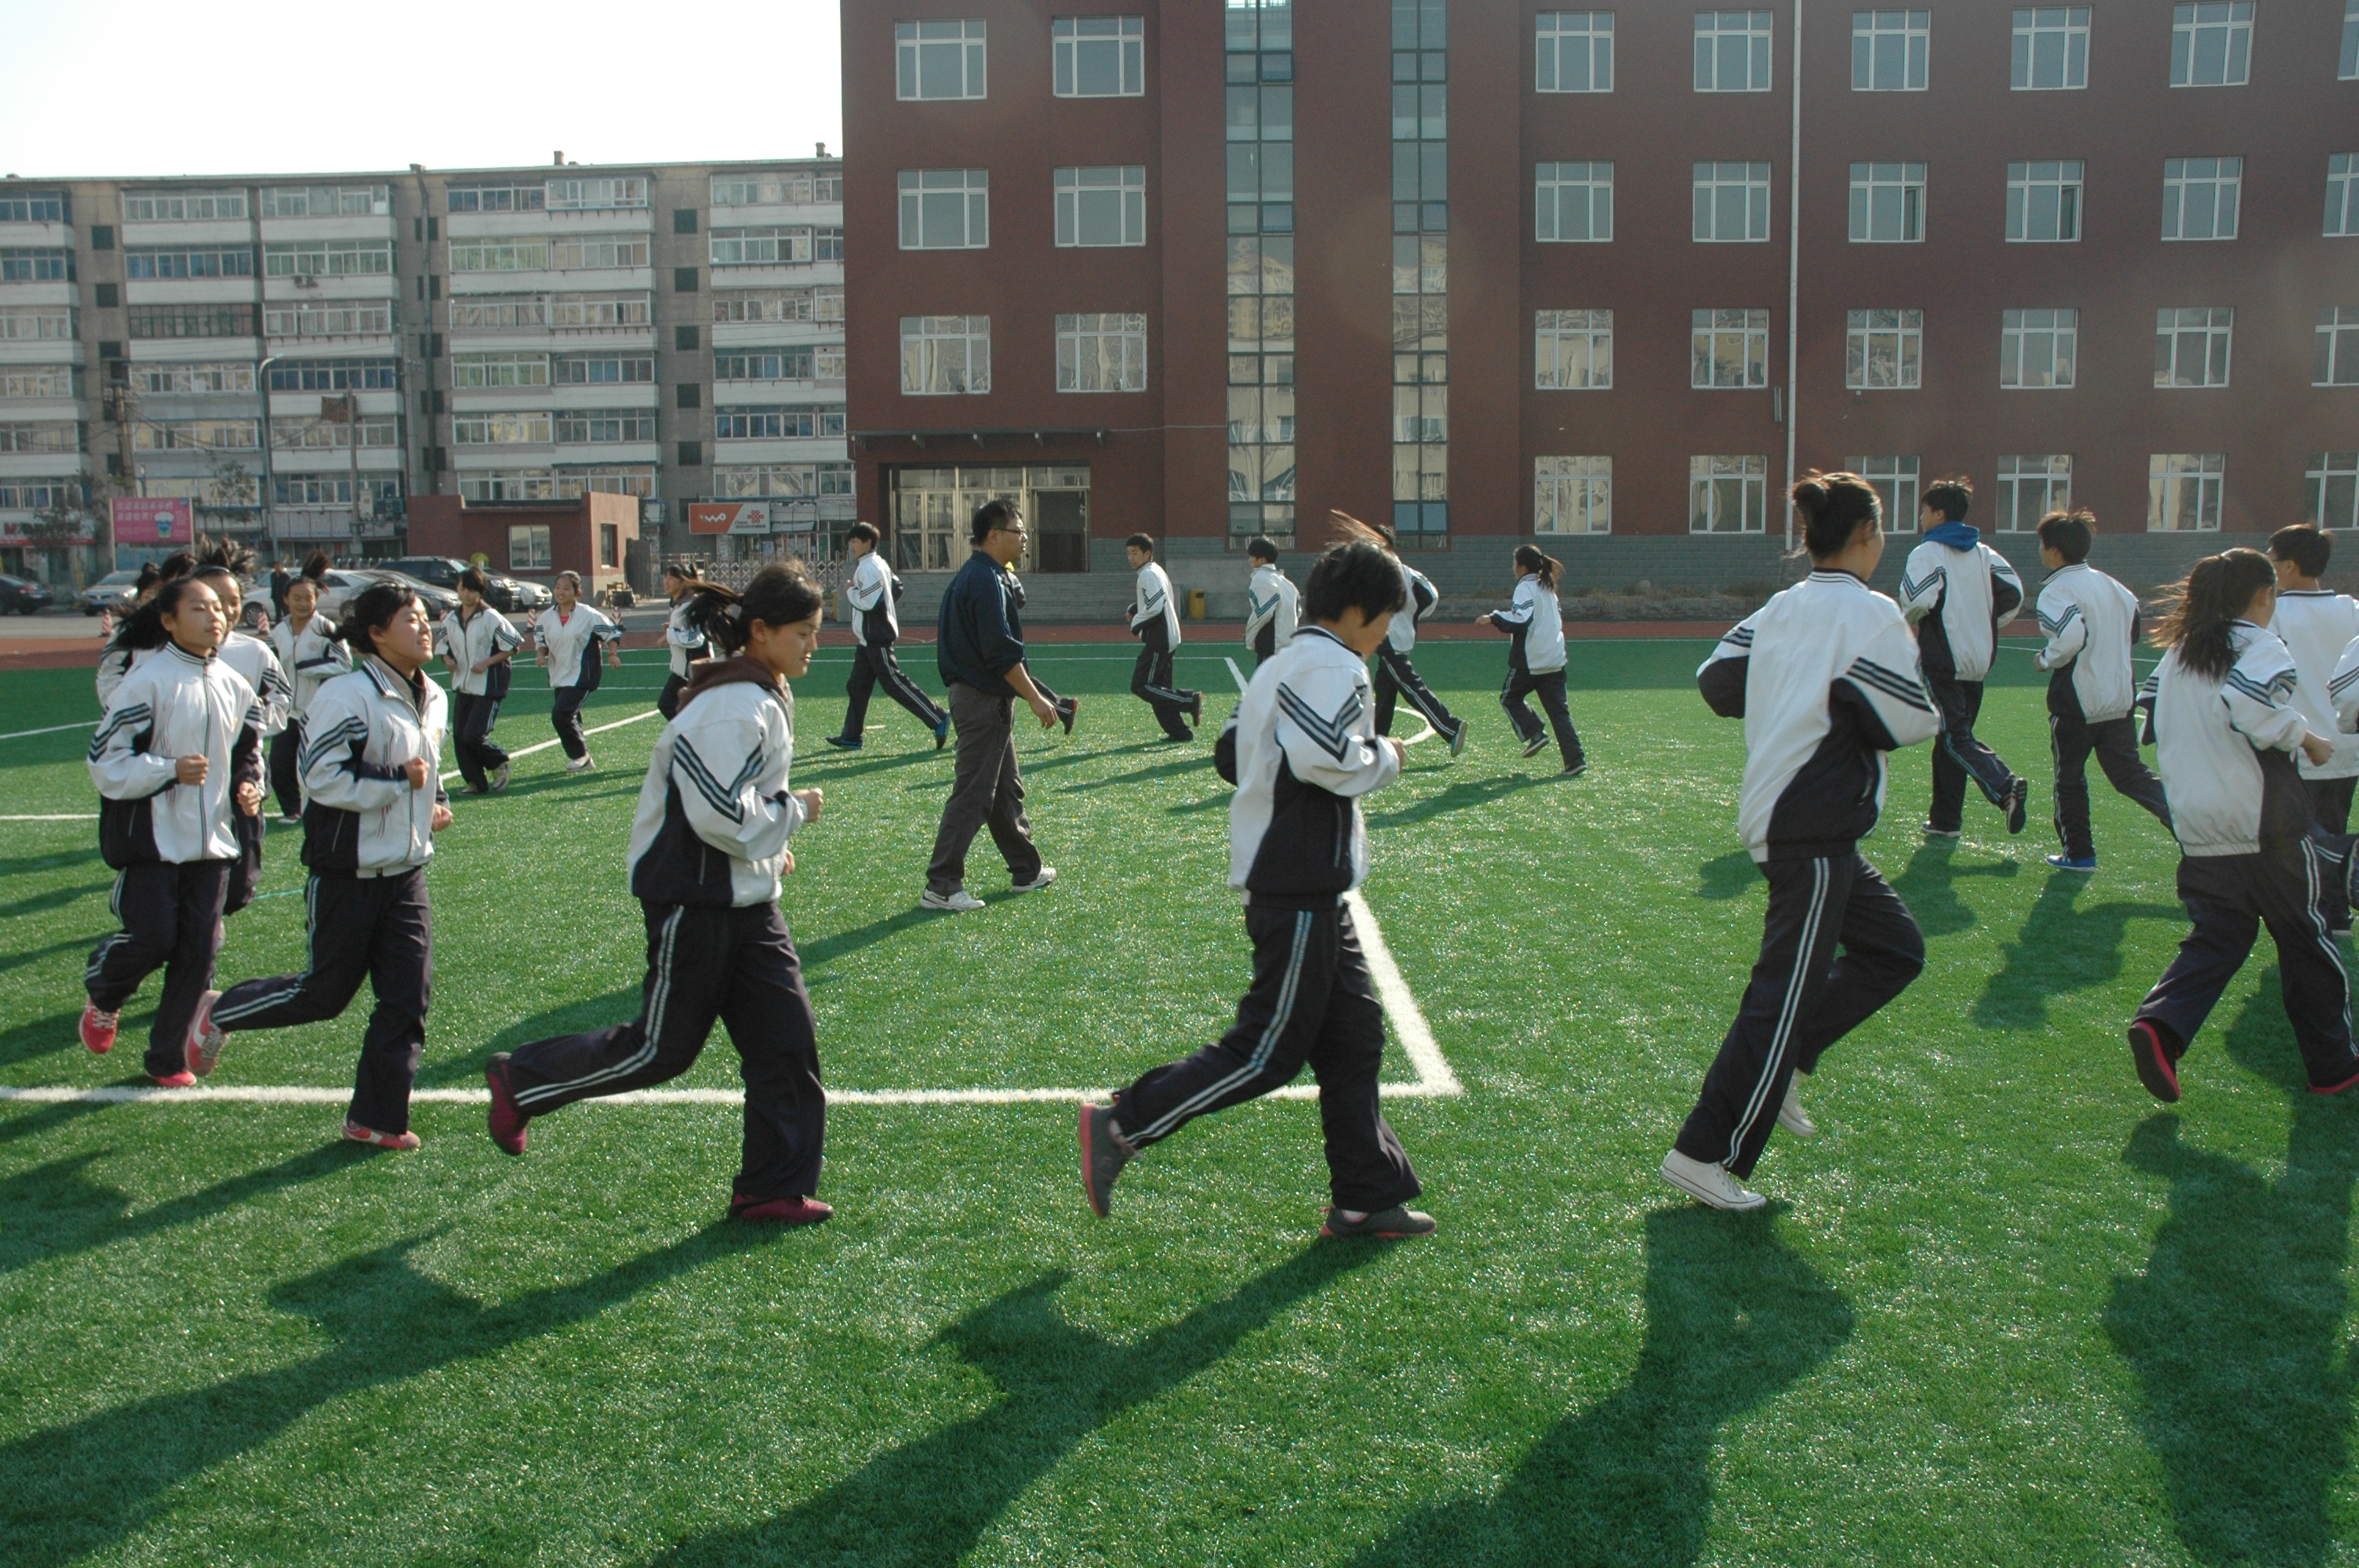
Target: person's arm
609, 636
1021, 678
2068, 630
1315, 716
277, 692
680, 635
246, 757
2260, 707
1885, 688
716, 763
2007, 587
336, 772
1920, 595
866, 588
2342, 687
120, 764
1519, 613
1722, 676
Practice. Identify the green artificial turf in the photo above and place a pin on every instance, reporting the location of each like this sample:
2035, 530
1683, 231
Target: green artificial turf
2005, 1310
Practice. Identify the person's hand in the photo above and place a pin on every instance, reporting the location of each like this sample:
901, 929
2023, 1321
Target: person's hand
479, 667
1400, 749
249, 799
1043, 710
786, 862
1479, 619
2317, 749
442, 816
812, 799
192, 768
418, 777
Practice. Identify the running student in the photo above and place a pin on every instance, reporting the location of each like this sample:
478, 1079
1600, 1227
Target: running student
372, 753
311, 651
1301, 753
2227, 728
570, 637
1825, 677
177, 760
707, 850
479, 646
1273, 605
253, 658
120, 658
2316, 626
1396, 677
1535, 658
1958, 592
2091, 623
1155, 622
871, 602
683, 641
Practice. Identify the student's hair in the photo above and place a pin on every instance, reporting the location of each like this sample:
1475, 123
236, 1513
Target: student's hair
474, 580
573, 577
1354, 574
143, 627
2306, 544
370, 610
687, 573
1950, 497
992, 514
179, 563
1259, 548
863, 532
1532, 558
2202, 608
148, 577
2070, 533
1350, 530
315, 564
224, 554
1833, 505
779, 595
306, 585
1140, 542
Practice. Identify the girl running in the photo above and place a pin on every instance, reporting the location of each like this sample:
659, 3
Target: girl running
707, 850
372, 757
478, 648
176, 759
1535, 658
571, 637
257, 661
1826, 679
311, 651
120, 658
685, 643
2227, 729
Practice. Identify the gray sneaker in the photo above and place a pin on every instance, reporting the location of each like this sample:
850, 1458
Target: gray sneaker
1104, 1155
500, 778
1400, 1220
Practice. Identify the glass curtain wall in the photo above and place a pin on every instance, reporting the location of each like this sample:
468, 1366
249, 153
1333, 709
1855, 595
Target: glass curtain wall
1420, 71
1260, 149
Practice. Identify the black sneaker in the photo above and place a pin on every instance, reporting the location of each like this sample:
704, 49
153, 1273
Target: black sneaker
1398, 1221
1066, 708
1196, 709
1532, 746
941, 731
2156, 1061
1104, 1155
1575, 770
2018, 803
844, 744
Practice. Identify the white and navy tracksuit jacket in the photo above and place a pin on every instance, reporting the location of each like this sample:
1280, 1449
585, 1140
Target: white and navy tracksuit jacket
1397, 675
686, 643
1825, 676
1534, 620
1958, 590
707, 849
1420, 595
1155, 620
2316, 626
368, 837
113, 665
172, 844
257, 661
1301, 752
2092, 625
2226, 748
310, 657
1153, 604
871, 602
1273, 606
468, 640
575, 643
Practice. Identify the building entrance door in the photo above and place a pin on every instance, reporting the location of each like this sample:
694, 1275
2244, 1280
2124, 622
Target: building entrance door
932, 508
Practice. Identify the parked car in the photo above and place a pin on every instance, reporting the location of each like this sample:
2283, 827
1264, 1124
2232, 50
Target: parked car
504, 593
114, 591
24, 596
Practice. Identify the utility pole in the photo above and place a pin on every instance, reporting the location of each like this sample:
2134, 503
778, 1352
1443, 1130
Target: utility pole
269, 482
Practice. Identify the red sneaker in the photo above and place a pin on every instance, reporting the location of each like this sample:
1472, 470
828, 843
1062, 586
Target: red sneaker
507, 1118
375, 1140
173, 1080
205, 1041
97, 1029
2156, 1064
2334, 1088
779, 1211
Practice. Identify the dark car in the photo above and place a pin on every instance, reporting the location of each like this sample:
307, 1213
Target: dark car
23, 596
504, 594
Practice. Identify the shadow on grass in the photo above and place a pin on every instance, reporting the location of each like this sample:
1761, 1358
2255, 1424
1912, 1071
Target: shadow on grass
57, 859
834, 764
1071, 755
48, 1118
1461, 796
1926, 886
57, 1210
826, 950
1733, 1319
926, 1504
55, 898
1177, 766
72, 1491
48, 1036
2236, 1329
1729, 876
1219, 802
617, 1006
2065, 946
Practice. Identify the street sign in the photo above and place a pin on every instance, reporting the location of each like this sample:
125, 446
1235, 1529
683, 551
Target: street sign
729, 518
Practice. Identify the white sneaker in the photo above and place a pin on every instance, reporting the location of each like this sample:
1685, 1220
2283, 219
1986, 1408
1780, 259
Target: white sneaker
1048, 874
1791, 1116
580, 766
1709, 1183
958, 900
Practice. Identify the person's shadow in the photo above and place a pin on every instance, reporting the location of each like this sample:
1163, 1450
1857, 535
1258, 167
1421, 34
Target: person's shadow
2236, 1329
56, 1210
1926, 885
925, 1505
2064, 945
1732, 1318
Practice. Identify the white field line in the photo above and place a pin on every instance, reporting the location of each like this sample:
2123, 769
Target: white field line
52, 730
61, 817
544, 745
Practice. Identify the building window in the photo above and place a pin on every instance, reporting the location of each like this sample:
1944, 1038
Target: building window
67, 437
230, 261
1884, 351
2051, 48
756, 423
1258, 133
319, 375
46, 207
945, 354
2334, 486
2183, 489
329, 490
326, 321
1895, 477
25, 265
605, 369
499, 255
1098, 57
578, 426
49, 382
192, 321
168, 379
1572, 495
180, 206
1728, 495
750, 481
1574, 51
2030, 486
2043, 201
499, 370
2212, 43
325, 258
199, 435
327, 201
496, 198
789, 188
22, 323
1573, 201
2337, 363
1731, 52
1889, 49
40, 494
821, 304
598, 252
766, 364
322, 434
943, 209
2348, 69
500, 430
1572, 350
2037, 348
776, 245
1102, 353
1102, 206
939, 60
528, 548
1888, 204
1731, 202
2199, 197
515, 484
2191, 346
2343, 192
597, 193
1730, 349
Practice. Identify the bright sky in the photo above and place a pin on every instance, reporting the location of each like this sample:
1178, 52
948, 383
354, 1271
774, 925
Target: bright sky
137, 87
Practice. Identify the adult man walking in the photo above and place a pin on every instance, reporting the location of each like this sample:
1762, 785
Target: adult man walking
979, 649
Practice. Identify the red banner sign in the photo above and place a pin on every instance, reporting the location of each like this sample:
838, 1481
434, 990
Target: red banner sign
166, 519
729, 518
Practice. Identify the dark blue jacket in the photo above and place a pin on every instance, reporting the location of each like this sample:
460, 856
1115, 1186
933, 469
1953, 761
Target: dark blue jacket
980, 635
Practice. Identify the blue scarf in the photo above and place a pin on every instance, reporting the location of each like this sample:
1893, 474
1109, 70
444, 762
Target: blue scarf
1957, 535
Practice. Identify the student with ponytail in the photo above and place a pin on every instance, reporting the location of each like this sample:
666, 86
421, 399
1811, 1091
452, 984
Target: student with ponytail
572, 638
311, 653
121, 657
707, 850
1535, 658
1826, 679
221, 565
2227, 729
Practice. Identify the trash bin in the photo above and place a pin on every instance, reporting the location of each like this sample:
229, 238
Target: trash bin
1195, 604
